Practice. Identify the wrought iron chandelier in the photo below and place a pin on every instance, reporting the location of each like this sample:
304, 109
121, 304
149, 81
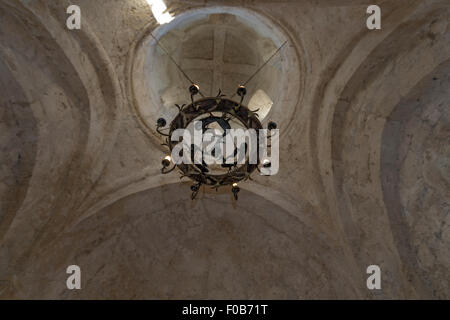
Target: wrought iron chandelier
221, 112
224, 113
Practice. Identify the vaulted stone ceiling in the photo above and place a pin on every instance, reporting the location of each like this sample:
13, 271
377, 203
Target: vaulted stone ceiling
364, 161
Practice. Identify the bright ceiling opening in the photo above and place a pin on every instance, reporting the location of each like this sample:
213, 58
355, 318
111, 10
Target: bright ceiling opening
159, 10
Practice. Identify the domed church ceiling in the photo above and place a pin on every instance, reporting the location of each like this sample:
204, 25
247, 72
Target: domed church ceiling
360, 121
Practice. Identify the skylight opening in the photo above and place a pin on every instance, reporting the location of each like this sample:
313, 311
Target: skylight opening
159, 10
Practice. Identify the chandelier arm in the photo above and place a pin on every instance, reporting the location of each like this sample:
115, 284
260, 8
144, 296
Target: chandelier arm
162, 133
242, 100
164, 171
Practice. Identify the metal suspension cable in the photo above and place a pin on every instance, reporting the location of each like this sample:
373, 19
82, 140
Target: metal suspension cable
262, 66
173, 60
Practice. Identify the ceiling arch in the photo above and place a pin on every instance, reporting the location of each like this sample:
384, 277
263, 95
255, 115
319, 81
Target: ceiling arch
359, 120
187, 250
73, 100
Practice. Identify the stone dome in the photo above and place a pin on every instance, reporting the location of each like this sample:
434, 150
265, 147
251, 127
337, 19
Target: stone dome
218, 48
